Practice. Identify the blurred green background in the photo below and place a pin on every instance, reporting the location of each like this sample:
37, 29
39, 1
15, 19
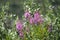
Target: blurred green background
10, 9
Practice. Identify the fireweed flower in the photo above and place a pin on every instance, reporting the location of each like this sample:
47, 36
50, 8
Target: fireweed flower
31, 20
27, 14
21, 34
38, 18
19, 25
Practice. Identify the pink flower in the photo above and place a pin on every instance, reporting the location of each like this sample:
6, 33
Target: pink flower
31, 20
27, 14
19, 25
36, 17
40, 20
21, 34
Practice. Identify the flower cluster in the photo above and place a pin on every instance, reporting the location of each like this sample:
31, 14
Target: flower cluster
34, 20
19, 27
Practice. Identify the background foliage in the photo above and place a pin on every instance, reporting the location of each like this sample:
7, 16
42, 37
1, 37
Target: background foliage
10, 9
